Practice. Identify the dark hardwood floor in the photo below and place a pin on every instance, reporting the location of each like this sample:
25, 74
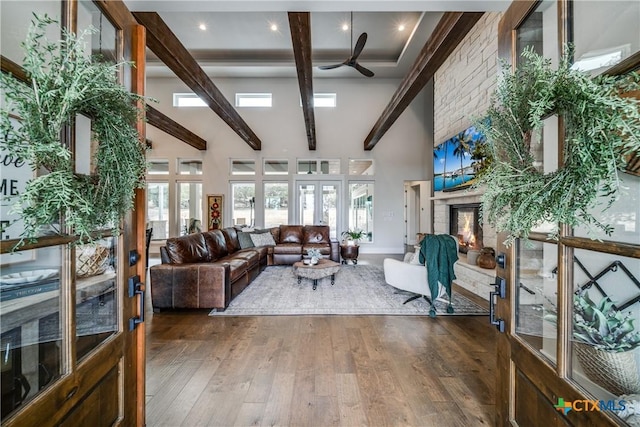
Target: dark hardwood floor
319, 370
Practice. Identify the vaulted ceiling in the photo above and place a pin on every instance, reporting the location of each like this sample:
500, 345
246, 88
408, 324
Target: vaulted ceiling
407, 40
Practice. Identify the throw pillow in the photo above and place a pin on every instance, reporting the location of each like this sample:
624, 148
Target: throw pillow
262, 239
415, 259
245, 240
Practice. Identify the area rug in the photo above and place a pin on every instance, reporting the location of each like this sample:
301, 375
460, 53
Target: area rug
358, 290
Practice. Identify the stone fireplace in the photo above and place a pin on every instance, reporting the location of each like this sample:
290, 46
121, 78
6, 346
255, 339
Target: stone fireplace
466, 205
464, 222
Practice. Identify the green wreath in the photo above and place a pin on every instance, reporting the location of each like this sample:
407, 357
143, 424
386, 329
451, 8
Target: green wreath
602, 129
64, 84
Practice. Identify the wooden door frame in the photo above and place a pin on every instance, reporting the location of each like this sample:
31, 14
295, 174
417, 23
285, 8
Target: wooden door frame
53, 404
551, 381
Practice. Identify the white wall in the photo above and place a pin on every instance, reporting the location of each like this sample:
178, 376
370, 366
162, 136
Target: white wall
400, 155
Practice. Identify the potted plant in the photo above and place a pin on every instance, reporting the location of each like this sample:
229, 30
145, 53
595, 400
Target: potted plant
605, 343
352, 237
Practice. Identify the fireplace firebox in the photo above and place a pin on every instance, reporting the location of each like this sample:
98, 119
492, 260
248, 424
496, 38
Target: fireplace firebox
464, 222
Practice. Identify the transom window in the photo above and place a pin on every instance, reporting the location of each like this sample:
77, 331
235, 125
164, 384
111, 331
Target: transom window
189, 167
360, 167
158, 167
323, 100
276, 167
187, 100
253, 100
319, 167
243, 167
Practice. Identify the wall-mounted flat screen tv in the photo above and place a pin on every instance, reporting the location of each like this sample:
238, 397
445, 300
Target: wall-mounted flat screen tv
456, 160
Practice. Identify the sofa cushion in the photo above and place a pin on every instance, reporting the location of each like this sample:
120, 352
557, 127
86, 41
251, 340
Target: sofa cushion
250, 255
275, 232
323, 248
291, 234
187, 249
231, 237
245, 240
288, 248
238, 267
316, 234
216, 243
262, 239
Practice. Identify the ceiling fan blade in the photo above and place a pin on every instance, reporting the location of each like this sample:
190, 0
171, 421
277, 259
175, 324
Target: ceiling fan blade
330, 67
363, 70
359, 45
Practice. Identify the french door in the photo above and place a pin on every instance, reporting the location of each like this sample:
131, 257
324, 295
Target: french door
72, 337
318, 202
543, 379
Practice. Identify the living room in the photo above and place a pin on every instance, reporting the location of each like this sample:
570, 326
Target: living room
208, 368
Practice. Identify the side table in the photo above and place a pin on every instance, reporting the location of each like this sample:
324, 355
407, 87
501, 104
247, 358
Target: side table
349, 252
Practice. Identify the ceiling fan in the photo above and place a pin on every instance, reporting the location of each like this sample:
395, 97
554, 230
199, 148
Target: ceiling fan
352, 61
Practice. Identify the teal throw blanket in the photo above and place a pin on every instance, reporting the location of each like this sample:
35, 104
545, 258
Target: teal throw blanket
438, 252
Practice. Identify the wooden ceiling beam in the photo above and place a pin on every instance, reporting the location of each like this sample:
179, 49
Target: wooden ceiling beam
10, 67
166, 124
166, 46
449, 32
154, 117
300, 26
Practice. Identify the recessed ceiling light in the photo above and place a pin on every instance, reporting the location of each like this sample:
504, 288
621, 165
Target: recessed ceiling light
345, 27
401, 27
274, 27
203, 27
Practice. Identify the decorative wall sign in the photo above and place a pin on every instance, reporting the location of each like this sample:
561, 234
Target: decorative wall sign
16, 172
215, 208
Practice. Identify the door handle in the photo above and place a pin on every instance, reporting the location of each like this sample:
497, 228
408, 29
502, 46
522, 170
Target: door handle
500, 291
136, 288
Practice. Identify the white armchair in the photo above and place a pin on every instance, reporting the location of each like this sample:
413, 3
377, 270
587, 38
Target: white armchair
408, 275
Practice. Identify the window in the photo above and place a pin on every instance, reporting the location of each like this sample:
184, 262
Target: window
243, 203
187, 100
158, 209
323, 100
190, 207
320, 167
360, 167
276, 203
158, 167
361, 209
276, 167
243, 167
253, 100
189, 167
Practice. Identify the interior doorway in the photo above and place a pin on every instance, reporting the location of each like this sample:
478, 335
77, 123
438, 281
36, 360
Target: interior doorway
417, 210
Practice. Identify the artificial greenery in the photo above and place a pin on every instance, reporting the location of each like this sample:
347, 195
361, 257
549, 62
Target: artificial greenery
354, 234
314, 253
601, 325
601, 130
64, 83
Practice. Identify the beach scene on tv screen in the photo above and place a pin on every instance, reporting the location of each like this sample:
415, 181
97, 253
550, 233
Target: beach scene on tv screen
454, 165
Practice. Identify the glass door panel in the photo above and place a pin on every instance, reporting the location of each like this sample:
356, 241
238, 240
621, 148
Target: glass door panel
536, 296
306, 203
96, 302
31, 333
605, 361
329, 208
318, 202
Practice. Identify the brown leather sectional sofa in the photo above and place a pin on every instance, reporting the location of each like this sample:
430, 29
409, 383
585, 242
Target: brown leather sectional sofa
207, 270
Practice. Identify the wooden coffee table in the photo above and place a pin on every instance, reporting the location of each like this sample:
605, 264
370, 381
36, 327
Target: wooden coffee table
324, 268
